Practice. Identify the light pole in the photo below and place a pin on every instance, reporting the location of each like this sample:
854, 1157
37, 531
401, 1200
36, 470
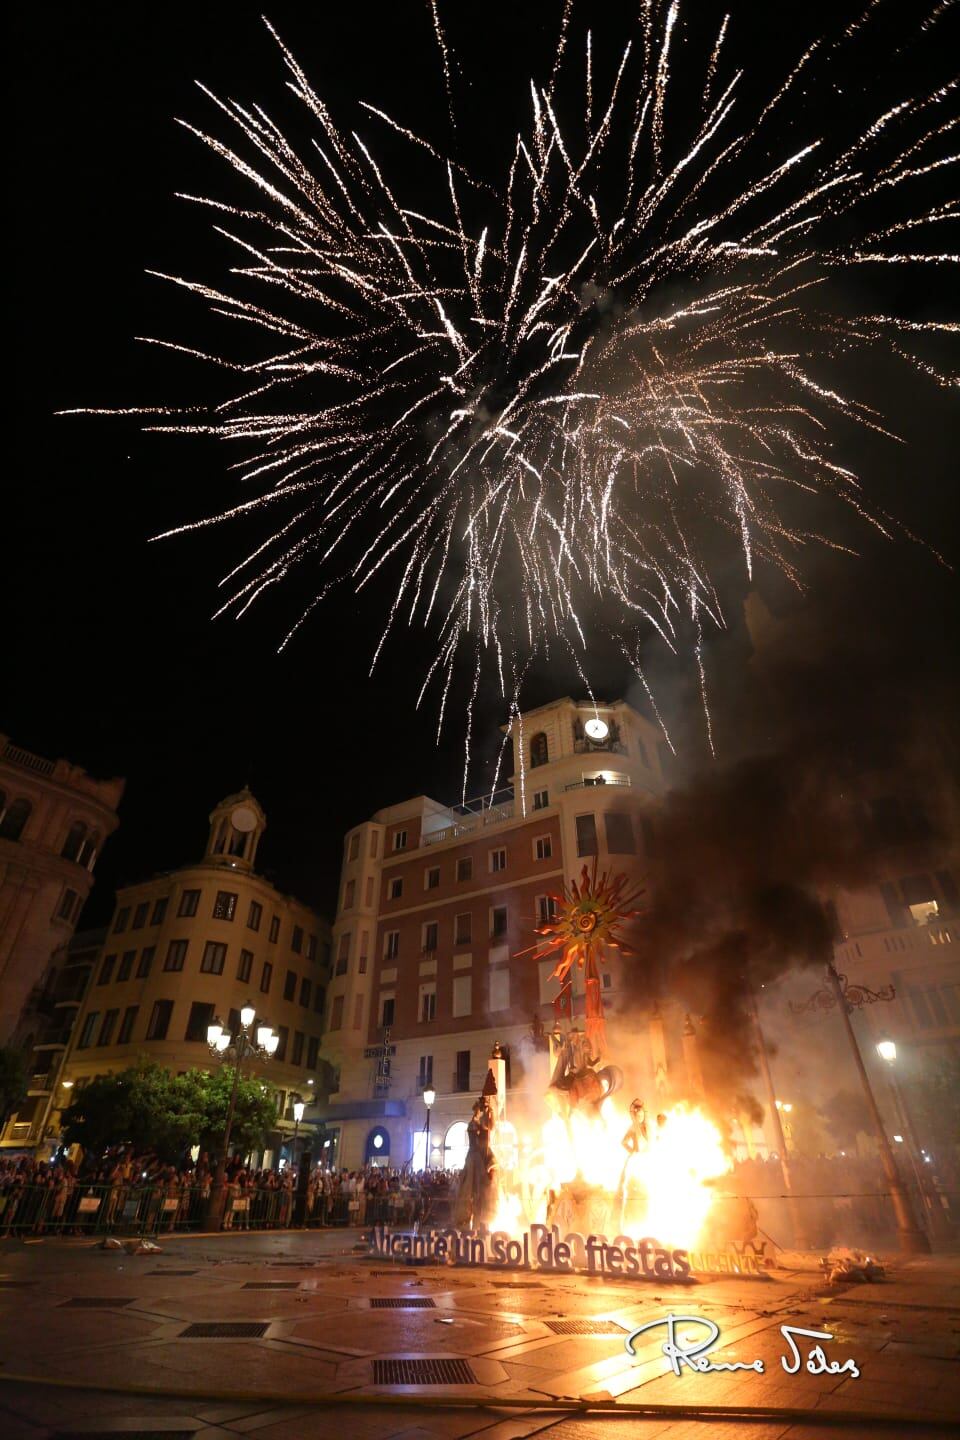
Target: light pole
236, 1048
912, 1238
429, 1097
298, 1109
796, 1220
939, 1224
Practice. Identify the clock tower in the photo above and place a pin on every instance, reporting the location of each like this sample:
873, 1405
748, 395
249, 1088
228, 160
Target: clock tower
236, 825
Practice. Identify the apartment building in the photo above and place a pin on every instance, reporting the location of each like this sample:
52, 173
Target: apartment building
436, 905
197, 944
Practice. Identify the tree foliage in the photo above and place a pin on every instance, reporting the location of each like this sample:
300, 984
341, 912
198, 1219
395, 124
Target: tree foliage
153, 1109
13, 1081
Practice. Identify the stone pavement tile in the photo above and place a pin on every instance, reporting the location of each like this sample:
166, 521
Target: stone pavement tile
267, 1416
517, 1426
222, 1414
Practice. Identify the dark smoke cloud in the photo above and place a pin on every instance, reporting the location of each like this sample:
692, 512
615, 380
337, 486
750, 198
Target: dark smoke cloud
837, 768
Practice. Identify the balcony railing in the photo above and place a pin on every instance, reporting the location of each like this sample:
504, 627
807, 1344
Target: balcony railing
468, 824
27, 761
607, 780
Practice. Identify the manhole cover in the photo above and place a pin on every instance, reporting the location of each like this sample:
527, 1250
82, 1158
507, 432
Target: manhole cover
585, 1327
422, 1372
272, 1285
403, 1302
226, 1330
95, 1302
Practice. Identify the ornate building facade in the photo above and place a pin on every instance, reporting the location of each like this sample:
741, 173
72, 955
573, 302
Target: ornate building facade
54, 821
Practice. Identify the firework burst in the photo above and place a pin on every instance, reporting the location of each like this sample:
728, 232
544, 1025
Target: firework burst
518, 406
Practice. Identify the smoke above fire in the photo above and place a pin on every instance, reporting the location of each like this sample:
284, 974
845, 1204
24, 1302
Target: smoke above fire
840, 779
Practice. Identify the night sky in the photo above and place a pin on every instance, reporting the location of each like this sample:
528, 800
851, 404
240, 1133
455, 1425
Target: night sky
110, 657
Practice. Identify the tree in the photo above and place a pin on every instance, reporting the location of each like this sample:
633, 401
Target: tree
153, 1109
13, 1082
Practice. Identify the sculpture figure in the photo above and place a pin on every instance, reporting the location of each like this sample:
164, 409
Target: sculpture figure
477, 1195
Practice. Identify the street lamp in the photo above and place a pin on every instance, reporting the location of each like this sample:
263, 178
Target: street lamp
887, 1050
939, 1224
298, 1109
236, 1048
429, 1099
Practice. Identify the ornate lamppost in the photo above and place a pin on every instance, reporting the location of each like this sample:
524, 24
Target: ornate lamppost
939, 1224
236, 1049
298, 1108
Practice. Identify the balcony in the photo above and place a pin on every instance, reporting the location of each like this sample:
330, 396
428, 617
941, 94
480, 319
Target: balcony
471, 824
607, 779
27, 761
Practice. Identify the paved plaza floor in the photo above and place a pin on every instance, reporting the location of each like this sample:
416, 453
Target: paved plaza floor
394, 1344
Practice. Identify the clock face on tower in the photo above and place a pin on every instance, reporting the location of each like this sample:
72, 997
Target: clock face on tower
243, 819
597, 729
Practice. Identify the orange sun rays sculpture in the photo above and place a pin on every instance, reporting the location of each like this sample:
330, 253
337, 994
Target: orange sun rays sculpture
586, 918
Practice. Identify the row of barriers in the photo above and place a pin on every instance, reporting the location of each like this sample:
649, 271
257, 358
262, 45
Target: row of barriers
144, 1210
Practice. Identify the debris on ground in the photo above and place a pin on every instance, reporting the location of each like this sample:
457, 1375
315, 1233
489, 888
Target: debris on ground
844, 1264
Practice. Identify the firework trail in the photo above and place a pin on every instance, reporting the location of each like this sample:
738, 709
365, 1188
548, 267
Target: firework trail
518, 411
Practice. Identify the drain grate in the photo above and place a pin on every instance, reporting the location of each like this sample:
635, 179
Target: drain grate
403, 1302
173, 1272
423, 1372
226, 1330
123, 1435
585, 1327
95, 1302
272, 1285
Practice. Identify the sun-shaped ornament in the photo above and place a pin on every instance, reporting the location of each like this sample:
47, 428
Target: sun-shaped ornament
586, 918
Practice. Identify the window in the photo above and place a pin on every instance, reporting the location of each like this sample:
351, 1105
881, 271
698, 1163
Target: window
189, 901
146, 960
374, 844
542, 847
428, 1003
159, 911
266, 975
120, 924
296, 940
159, 1020
364, 948
546, 909
67, 904
75, 838
343, 953
499, 989
388, 1006
498, 860
245, 968
125, 968
391, 945
400, 840
327, 952
127, 1024
306, 990
349, 894
541, 799
14, 818
225, 905
368, 891
430, 931
89, 1025
311, 947
465, 868
297, 1057
274, 930
284, 1033
425, 1072
201, 1015
354, 850
394, 888
336, 1013
214, 958
176, 955
140, 915
318, 999
586, 835
620, 838
539, 750
498, 922
254, 915
290, 986
108, 1027
463, 928
106, 969
431, 879
358, 1012
462, 995
313, 1052
461, 1074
